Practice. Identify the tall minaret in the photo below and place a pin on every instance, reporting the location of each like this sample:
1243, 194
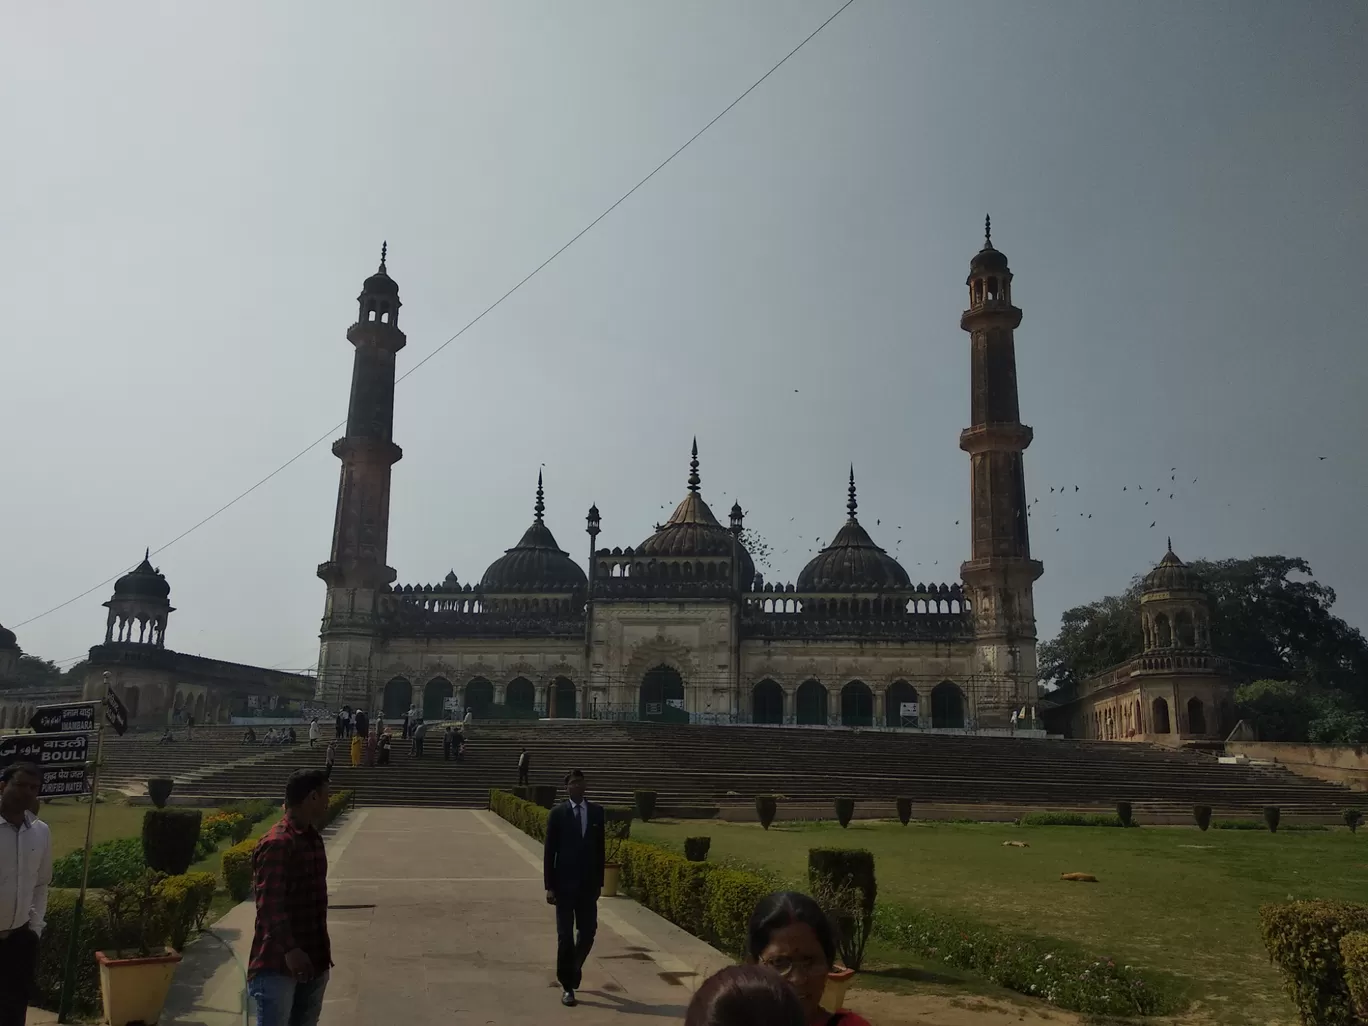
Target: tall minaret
1000, 570
356, 570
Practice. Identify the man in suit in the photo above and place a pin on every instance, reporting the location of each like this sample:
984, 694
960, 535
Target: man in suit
573, 871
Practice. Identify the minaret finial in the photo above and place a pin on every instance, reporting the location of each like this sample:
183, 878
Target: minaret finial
540, 507
384, 250
147, 553
850, 502
694, 479
1170, 543
987, 231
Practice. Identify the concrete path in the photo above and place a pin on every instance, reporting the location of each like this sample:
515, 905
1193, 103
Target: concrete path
440, 912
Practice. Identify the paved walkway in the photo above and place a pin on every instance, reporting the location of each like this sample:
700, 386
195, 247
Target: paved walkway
440, 912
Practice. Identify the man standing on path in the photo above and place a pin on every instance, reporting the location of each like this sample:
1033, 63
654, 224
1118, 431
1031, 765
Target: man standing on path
524, 767
291, 954
573, 872
25, 872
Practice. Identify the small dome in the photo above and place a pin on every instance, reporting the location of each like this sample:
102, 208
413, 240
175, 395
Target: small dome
7, 638
380, 283
692, 531
852, 562
536, 563
144, 582
1172, 574
987, 260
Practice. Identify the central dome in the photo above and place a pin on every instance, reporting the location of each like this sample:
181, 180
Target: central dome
693, 531
852, 562
536, 563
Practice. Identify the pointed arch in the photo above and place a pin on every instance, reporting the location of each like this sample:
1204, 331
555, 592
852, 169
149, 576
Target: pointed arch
811, 702
767, 702
947, 705
857, 705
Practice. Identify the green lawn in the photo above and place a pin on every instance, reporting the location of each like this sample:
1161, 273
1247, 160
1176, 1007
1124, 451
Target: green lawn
66, 818
1168, 898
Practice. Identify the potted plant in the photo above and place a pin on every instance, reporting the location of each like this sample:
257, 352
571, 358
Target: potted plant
843, 884
617, 828
136, 977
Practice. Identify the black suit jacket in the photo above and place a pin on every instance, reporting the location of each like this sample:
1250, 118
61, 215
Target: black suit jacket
573, 863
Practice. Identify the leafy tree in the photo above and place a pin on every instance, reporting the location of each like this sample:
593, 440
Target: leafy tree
33, 671
1284, 710
1092, 638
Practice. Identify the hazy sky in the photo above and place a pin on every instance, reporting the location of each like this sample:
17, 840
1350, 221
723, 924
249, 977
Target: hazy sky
191, 195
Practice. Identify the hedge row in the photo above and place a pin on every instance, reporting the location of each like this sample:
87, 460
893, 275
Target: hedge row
237, 860
1304, 938
1354, 953
1088, 819
1029, 965
111, 862
708, 901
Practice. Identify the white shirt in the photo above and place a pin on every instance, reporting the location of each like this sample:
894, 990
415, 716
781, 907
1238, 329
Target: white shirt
25, 872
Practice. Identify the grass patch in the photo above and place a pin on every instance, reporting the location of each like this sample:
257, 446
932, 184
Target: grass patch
1075, 819
1169, 898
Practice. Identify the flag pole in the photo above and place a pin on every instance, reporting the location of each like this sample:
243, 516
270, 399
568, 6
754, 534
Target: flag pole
73, 944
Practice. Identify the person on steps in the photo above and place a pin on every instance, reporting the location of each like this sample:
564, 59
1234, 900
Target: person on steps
356, 750
524, 767
572, 869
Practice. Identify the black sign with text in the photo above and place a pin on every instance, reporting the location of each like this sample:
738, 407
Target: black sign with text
56, 719
61, 756
115, 714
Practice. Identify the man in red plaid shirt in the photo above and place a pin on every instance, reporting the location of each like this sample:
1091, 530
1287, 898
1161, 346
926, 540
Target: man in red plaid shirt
291, 955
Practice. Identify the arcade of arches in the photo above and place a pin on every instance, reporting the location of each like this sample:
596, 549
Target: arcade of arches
857, 704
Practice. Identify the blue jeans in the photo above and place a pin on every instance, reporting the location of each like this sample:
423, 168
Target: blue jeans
281, 1001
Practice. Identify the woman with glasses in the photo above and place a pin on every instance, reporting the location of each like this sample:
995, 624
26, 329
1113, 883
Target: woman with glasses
791, 934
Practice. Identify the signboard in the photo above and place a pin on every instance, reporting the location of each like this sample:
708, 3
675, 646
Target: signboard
56, 719
115, 713
653, 708
62, 757
907, 709
451, 704
675, 703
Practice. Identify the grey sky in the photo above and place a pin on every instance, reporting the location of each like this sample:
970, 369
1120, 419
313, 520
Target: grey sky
191, 196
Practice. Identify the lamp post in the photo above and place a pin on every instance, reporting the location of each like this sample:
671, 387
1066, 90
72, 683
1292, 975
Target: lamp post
592, 523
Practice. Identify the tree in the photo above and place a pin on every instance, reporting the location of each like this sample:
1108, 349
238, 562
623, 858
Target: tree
35, 672
1284, 710
1270, 623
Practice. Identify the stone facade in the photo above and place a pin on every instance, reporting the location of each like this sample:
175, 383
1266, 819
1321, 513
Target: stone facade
681, 627
1175, 690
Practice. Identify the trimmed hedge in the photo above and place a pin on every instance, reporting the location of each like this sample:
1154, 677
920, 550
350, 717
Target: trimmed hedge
169, 839
1352, 818
111, 862
1083, 819
1271, 816
845, 808
904, 806
544, 795
237, 869
710, 902
646, 804
159, 790
1029, 965
696, 848
766, 805
1124, 813
188, 898
1303, 937
1201, 814
1354, 955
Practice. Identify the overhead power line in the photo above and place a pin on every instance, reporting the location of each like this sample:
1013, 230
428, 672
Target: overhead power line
474, 321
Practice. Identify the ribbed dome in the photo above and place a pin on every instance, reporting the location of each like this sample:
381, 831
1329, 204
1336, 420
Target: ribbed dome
988, 259
693, 531
7, 638
380, 283
852, 562
143, 581
1172, 574
536, 563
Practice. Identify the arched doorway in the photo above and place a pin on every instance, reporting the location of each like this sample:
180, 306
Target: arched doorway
900, 693
521, 696
131, 702
1196, 716
397, 698
1161, 716
767, 703
812, 703
479, 696
564, 691
662, 695
947, 705
857, 705
199, 708
435, 694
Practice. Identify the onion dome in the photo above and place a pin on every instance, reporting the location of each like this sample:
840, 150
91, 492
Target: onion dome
7, 638
1172, 574
852, 562
143, 582
536, 563
987, 259
380, 283
692, 531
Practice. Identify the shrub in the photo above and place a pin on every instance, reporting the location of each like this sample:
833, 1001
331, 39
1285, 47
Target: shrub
731, 896
1271, 816
237, 869
544, 795
1352, 817
1303, 937
1354, 955
1029, 965
169, 837
1202, 815
338, 803
254, 810
242, 829
617, 829
218, 825
645, 804
138, 916
94, 936
696, 848
526, 816
1087, 819
765, 807
1123, 813
842, 881
904, 810
111, 862
188, 898
845, 808
159, 790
